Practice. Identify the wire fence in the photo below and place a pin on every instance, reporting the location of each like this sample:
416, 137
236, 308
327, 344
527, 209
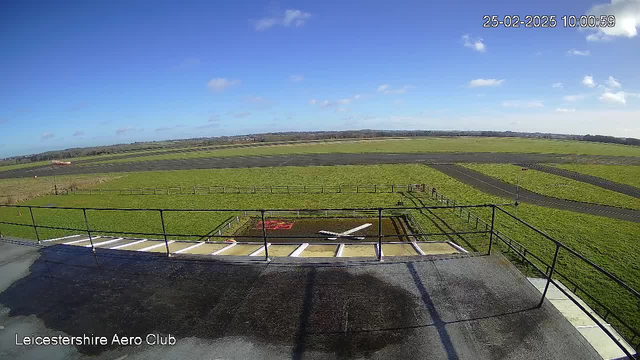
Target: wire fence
236, 189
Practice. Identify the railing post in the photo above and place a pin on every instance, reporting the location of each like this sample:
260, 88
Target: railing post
164, 232
33, 222
493, 218
379, 234
86, 223
264, 237
553, 266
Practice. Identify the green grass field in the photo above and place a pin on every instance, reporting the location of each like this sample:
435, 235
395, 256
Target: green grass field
412, 145
629, 175
608, 242
556, 186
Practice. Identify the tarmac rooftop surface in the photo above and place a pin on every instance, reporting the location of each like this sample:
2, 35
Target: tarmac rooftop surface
435, 307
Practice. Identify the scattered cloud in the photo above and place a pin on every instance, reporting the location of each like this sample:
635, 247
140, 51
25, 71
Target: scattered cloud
214, 118
475, 44
523, 104
79, 106
241, 115
613, 98
574, 98
47, 135
558, 85
485, 82
386, 89
290, 17
340, 103
575, 52
219, 84
565, 110
125, 130
78, 133
588, 81
296, 78
3, 120
627, 19
167, 128
613, 83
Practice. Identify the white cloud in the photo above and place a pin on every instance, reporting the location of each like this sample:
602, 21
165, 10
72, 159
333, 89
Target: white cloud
588, 81
296, 78
78, 133
599, 36
627, 17
214, 118
613, 98
241, 115
290, 17
475, 44
386, 89
523, 104
557, 85
332, 103
613, 82
47, 135
485, 82
573, 98
219, 84
565, 110
579, 52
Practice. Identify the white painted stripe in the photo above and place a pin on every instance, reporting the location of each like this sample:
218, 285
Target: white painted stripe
189, 248
457, 246
61, 238
340, 250
223, 249
417, 248
156, 245
130, 244
299, 250
104, 242
261, 249
77, 241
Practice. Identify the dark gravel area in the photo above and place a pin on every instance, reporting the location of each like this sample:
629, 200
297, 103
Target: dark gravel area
478, 307
500, 188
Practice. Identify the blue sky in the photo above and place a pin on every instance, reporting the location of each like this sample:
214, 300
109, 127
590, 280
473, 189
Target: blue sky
95, 73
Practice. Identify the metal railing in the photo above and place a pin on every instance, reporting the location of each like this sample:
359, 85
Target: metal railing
548, 273
236, 189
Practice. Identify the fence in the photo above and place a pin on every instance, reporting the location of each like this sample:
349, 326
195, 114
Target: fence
271, 189
549, 272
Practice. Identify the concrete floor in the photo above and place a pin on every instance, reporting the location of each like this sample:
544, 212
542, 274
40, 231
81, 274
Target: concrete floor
459, 307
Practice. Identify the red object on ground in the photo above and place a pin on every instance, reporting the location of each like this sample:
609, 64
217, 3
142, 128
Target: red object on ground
275, 225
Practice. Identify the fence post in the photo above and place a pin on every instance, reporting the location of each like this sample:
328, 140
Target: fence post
33, 222
493, 217
264, 236
379, 234
392, 188
553, 266
86, 223
164, 232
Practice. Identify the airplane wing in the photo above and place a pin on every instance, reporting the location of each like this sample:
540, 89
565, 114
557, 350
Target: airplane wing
356, 229
329, 233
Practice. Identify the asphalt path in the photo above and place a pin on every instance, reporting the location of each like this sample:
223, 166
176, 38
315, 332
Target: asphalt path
315, 160
500, 188
593, 180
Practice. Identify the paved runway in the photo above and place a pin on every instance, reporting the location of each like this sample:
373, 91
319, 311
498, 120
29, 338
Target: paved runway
500, 188
317, 160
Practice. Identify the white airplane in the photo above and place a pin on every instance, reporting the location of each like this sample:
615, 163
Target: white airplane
346, 233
